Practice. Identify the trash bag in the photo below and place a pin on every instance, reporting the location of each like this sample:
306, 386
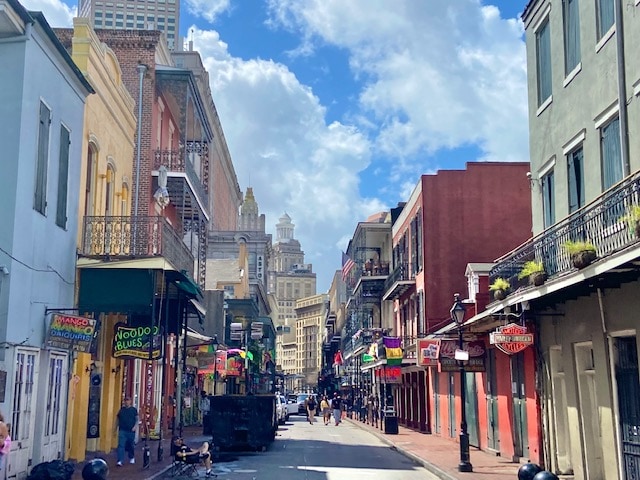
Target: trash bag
53, 470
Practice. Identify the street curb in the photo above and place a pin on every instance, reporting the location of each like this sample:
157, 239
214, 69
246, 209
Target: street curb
160, 473
421, 461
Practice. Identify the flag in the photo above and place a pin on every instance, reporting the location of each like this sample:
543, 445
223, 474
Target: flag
347, 265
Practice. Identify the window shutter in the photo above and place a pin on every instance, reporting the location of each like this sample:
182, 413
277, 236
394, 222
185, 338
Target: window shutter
63, 178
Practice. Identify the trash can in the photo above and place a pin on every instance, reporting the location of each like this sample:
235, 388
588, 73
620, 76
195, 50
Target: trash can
390, 421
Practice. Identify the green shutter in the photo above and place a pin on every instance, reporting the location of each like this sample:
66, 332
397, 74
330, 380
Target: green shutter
63, 178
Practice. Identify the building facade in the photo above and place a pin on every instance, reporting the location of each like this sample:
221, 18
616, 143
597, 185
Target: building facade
584, 114
310, 315
454, 218
43, 99
163, 15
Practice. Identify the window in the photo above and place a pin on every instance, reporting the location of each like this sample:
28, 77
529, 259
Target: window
571, 35
611, 154
543, 62
605, 17
548, 199
575, 177
109, 191
40, 193
92, 158
63, 178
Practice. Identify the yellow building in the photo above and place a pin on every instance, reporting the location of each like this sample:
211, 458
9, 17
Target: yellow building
105, 186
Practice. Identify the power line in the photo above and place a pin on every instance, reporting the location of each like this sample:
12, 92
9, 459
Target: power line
49, 268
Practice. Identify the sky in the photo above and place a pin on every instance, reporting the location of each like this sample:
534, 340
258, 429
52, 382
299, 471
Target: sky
332, 109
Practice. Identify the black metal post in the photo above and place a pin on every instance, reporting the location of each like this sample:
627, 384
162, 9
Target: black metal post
465, 464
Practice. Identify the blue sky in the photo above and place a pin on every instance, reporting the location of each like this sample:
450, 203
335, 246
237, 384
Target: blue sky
332, 109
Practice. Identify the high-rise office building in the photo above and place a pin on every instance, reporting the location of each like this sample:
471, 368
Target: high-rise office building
163, 15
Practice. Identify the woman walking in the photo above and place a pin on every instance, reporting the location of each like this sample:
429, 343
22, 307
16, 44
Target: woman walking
311, 409
326, 410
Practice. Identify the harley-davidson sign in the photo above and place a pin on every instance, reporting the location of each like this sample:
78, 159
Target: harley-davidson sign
511, 339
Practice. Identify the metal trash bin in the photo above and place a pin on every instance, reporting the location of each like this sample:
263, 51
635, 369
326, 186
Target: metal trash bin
390, 421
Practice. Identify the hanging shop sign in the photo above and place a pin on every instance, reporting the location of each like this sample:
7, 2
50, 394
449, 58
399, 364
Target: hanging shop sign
133, 342
234, 366
477, 356
70, 332
389, 374
428, 352
511, 339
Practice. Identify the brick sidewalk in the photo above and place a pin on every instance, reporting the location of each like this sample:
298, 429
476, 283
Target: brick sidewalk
441, 455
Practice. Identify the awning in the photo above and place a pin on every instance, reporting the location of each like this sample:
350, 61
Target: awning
199, 307
187, 285
155, 263
372, 365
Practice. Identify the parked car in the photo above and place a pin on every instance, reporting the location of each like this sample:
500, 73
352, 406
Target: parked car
291, 404
300, 399
281, 409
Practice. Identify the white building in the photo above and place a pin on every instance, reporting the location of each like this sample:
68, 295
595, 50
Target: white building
41, 119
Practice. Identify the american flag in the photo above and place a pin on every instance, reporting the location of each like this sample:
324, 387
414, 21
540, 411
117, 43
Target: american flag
347, 265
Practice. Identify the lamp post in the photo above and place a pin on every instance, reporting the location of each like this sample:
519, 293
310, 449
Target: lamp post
457, 315
214, 344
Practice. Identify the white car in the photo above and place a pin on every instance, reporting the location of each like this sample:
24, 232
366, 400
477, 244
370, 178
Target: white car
281, 410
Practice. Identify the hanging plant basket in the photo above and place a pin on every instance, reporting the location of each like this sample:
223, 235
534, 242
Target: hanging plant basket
499, 294
537, 278
583, 259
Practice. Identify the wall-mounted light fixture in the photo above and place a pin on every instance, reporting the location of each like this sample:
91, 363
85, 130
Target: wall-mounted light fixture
532, 181
116, 370
90, 368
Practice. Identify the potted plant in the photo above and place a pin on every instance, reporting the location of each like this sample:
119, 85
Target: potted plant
632, 219
499, 288
534, 271
582, 253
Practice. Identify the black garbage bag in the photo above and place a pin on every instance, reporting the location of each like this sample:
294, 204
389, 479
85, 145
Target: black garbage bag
53, 470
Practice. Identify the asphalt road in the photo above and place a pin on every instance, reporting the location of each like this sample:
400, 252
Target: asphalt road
317, 452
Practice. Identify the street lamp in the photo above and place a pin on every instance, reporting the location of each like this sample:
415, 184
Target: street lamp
214, 344
457, 315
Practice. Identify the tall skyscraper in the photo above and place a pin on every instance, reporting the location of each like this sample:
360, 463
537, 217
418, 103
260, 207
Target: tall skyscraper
163, 15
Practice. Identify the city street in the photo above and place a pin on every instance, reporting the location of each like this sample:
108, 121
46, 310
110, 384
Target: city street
304, 451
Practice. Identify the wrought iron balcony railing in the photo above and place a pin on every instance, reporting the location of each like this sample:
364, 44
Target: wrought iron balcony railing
177, 161
601, 223
134, 237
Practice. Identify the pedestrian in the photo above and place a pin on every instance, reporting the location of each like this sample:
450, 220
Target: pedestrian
376, 409
370, 410
311, 409
336, 406
126, 422
204, 406
5, 442
326, 410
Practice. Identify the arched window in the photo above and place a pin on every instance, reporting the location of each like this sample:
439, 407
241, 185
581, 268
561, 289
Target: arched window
90, 181
109, 191
124, 207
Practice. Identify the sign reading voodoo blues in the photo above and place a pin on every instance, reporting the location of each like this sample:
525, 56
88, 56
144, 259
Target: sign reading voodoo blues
133, 342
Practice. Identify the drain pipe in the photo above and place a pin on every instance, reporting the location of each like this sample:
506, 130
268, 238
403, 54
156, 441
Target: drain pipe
142, 69
622, 90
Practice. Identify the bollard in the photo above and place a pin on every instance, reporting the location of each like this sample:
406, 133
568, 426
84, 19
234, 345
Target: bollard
528, 471
545, 475
96, 469
146, 457
160, 450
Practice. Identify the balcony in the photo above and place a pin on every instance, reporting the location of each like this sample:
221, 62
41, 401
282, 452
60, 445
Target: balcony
398, 283
183, 166
134, 237
601, 223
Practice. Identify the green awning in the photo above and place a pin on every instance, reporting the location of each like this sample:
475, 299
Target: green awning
116, 290
187, 285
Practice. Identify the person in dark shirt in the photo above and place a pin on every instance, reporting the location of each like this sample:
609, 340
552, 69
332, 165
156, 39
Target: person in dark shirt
190, 455
336, 406
127, 420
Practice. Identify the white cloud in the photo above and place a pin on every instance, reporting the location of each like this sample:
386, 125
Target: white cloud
439, 74
208, 9
57, 13
282, 145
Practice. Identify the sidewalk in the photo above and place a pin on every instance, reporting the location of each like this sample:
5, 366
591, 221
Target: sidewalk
192, 436
441, 455
437, 454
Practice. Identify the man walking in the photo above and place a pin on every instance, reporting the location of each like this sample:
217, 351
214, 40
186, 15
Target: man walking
336, 406
127, 419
